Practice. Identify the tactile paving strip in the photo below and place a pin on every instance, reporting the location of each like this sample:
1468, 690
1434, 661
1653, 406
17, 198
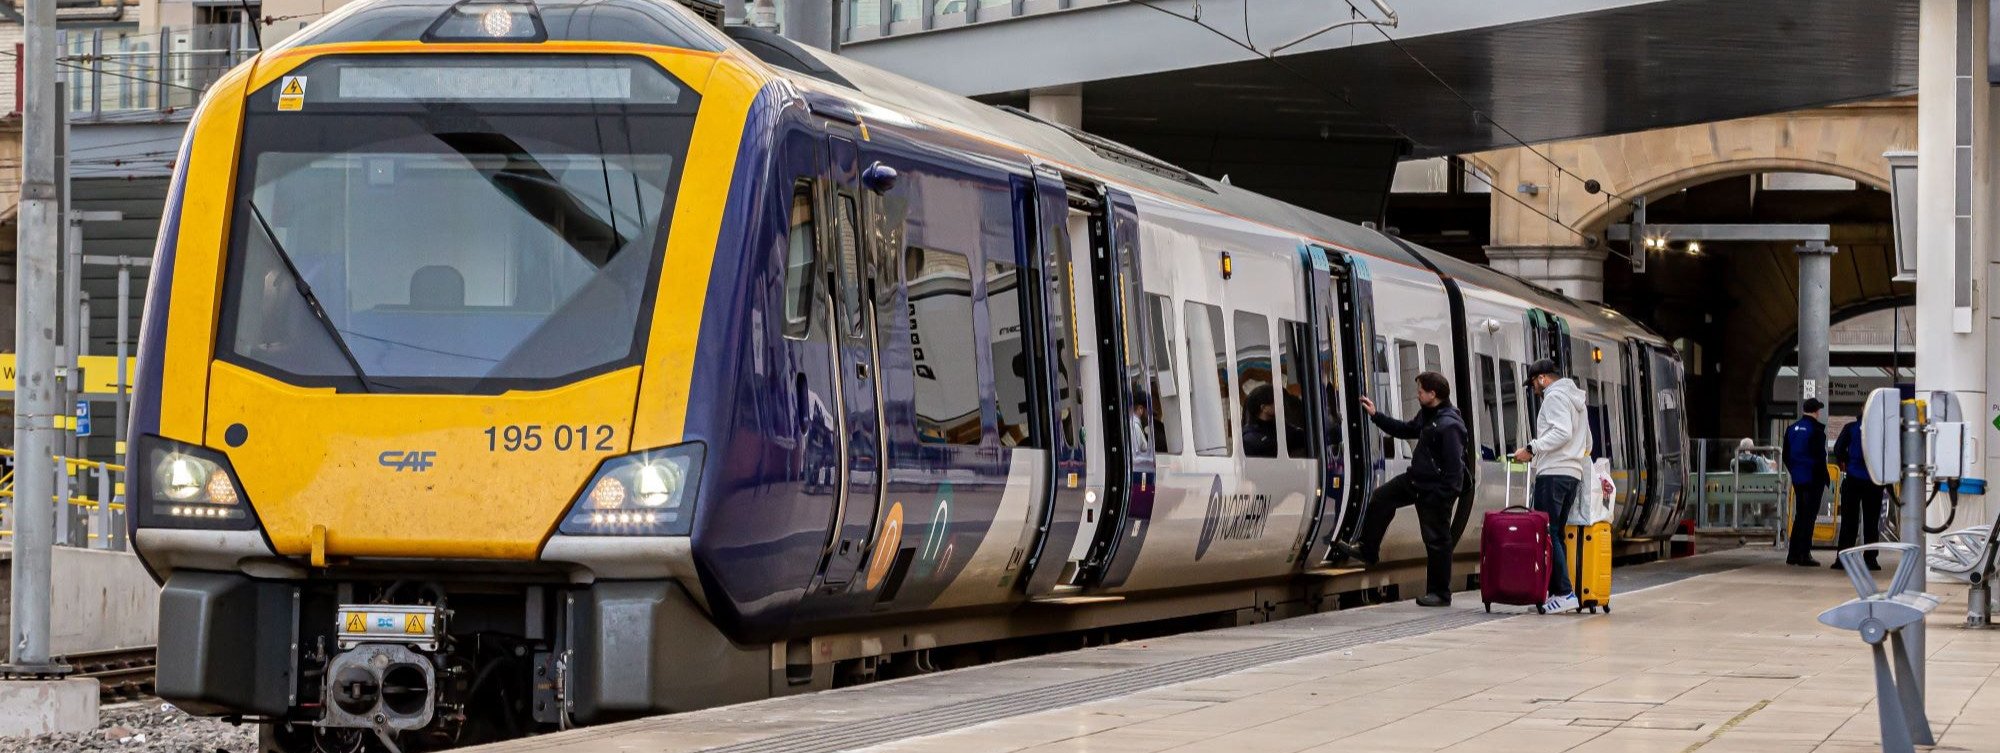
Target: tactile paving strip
948, 717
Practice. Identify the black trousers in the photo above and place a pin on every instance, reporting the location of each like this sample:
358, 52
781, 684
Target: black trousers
1554, 496
1860, 512
1805, 511
1433, 520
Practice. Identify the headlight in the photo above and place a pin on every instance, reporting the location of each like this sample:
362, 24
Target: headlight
181, 485
643, 494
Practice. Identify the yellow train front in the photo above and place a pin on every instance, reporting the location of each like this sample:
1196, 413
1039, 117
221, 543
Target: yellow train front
411, 451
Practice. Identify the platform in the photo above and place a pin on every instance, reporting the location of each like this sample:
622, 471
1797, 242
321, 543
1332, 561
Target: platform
1718, 654
99, 601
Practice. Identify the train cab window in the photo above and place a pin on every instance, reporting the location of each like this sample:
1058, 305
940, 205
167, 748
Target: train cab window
1433, 358
1208, 380
1292, 396
847, 237
942, 346
1005, 338
1406, 379
1489, 414
801, 247
1166, 386
1385, 391
1255, 387
1510, 404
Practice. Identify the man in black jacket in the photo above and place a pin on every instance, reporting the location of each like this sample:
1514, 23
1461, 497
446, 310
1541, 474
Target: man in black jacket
1433, 483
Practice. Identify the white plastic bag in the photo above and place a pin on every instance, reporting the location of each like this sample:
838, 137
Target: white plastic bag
1594, 496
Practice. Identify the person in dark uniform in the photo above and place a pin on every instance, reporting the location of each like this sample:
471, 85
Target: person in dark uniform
1432, 484
1805, 460
1860, 496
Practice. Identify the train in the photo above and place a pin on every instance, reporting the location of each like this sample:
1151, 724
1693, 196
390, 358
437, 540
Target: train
512, 365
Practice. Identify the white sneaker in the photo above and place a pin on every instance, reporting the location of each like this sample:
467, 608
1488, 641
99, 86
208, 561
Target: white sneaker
1565, 603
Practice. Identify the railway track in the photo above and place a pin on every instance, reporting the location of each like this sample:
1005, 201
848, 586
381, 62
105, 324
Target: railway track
124, 674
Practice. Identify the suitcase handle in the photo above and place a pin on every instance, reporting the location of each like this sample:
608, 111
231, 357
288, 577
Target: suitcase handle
1522, 508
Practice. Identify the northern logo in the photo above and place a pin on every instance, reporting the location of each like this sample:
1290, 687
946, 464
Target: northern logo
1233, 517
416, 461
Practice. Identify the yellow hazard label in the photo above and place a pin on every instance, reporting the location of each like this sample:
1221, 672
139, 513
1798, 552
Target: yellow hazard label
356, 623
292, 94
414, 624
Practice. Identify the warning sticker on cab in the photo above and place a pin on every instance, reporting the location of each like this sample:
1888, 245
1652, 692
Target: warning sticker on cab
292, 93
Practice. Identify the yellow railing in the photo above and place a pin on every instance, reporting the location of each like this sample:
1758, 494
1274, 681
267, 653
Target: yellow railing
82, 471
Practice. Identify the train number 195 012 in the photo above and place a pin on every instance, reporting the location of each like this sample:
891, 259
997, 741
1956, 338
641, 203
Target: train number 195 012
559, 437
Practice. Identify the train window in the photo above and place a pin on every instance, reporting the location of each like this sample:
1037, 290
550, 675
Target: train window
1489, 395
1433, 358
1165, 385
942, 346
1208, 380
1006, 341
1510, 405
1291, 372
1255, 387
848, 238
1406, 378
1385, 391
801, 248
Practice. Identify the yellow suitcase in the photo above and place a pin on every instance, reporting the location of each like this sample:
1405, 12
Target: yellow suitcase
1590, 572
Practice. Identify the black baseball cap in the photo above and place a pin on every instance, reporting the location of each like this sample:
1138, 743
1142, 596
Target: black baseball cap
1812, 405
1538, 368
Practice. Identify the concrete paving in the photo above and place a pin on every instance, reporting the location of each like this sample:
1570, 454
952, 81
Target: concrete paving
1719, 654
41, 707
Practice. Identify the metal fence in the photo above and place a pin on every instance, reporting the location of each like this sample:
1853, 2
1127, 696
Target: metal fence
1740, 491
90, 496
116, 74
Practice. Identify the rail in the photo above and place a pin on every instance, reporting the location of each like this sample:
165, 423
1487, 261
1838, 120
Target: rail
91, 502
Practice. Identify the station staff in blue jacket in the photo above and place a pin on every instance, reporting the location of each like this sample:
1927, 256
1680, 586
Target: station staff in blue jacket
1805, 459
1860, 496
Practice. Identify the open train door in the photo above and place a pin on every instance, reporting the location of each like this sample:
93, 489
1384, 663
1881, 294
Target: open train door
1341, 332
1058, 345
1639, 441
1341, 305
1124, 335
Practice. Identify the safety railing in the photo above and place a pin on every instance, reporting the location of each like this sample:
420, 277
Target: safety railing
91, 503
1740, 490
116, 74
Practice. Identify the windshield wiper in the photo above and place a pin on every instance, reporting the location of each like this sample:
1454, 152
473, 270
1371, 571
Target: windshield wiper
305, 291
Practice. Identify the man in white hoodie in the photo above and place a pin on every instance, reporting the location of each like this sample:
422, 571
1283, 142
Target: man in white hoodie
1559, 460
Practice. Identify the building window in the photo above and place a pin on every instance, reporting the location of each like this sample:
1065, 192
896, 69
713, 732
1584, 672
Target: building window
942, 346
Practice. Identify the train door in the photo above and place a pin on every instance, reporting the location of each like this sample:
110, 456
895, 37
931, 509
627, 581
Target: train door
1548, 337
1365, 360
1670, 446
1128, 408
1338, 357
850, 277
1638, 439
1060, 344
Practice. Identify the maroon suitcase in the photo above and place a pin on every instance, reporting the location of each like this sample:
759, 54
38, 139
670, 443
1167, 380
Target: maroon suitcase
1514, 558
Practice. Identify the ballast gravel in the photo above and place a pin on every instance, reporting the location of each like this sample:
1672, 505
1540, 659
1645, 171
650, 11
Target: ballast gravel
145, 727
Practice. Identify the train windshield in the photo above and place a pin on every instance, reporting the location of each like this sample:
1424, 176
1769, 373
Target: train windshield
405, 225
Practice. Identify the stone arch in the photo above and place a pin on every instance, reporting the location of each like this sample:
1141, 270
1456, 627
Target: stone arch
1593, 223
1845, 141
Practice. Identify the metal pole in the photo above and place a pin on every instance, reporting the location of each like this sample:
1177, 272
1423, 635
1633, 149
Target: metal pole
1815, 271
36, 404
1912, 495
124, 327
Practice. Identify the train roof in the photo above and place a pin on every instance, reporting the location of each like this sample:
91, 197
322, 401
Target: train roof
825, 71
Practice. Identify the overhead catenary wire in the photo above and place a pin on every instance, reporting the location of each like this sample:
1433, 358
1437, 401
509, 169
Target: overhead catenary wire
1271, 58
1589, 184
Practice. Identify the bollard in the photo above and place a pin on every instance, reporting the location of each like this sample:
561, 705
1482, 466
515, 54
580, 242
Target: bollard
1885, 616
